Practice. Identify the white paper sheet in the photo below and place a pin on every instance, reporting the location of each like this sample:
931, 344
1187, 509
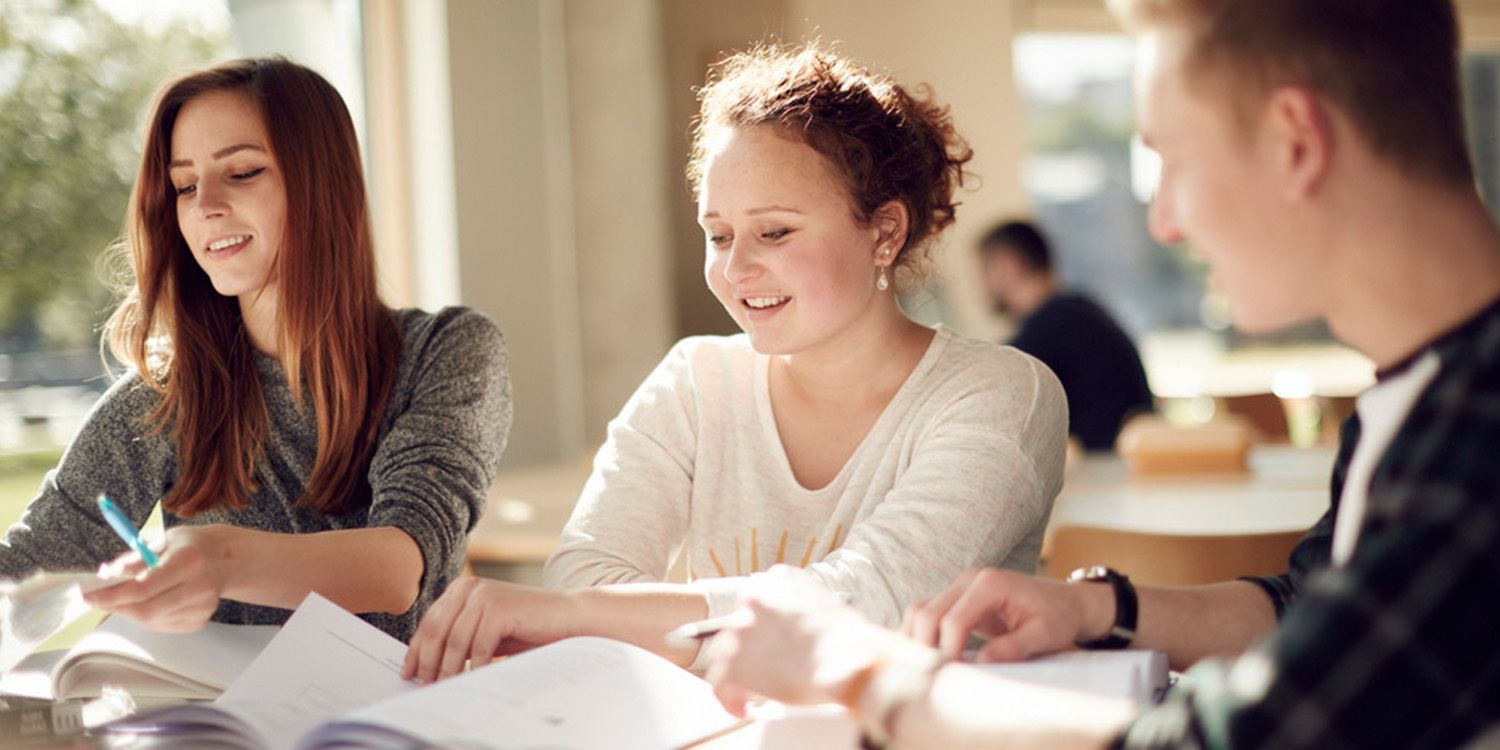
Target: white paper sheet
325, 661
577, 693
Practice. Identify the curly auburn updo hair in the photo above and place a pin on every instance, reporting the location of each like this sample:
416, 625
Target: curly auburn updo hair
884, 142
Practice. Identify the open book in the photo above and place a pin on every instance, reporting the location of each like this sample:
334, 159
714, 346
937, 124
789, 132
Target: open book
330, 680
122, 653
148, 666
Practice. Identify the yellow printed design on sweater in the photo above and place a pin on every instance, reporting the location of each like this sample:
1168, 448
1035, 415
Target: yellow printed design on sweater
739, 557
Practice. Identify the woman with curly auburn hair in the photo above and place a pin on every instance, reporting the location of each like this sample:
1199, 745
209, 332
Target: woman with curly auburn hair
835, 433
300, 435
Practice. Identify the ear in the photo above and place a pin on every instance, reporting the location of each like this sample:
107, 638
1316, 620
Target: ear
1303, 139
891, 223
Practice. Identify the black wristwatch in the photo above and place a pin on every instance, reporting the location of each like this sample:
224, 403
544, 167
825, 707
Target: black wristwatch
1123, 631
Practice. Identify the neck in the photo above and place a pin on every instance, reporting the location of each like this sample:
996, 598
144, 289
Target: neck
869, 360
1410, 265
258, 312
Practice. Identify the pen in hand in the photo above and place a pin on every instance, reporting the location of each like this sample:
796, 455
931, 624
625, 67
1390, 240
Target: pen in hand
122, 526
688, 636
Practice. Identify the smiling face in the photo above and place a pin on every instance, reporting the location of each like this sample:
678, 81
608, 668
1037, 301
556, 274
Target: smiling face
231, 201
1224, 190
785, 255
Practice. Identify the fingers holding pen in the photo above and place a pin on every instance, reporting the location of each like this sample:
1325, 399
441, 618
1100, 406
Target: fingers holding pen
181, 593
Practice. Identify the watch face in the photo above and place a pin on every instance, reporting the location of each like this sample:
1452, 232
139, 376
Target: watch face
1091, 573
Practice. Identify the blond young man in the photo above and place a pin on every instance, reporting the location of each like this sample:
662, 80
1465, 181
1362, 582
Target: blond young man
1313, 152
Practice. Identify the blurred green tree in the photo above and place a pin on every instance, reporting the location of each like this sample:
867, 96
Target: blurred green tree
75, 84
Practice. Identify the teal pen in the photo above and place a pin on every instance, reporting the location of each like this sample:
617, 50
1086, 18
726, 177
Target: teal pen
123, 527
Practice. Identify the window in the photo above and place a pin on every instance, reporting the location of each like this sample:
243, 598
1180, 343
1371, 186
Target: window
76, 78
1481, 80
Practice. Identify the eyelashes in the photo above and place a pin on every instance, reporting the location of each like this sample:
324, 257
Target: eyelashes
722, 240
236, 176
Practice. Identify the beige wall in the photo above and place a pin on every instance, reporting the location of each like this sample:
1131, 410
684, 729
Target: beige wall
621, 138
514, 265
560, 132
696, 33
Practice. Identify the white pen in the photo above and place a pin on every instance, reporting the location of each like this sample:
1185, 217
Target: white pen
687, 636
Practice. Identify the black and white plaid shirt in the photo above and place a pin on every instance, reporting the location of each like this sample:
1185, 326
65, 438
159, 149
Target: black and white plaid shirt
1400, 647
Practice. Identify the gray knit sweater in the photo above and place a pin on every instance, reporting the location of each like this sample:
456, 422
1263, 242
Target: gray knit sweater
439, 443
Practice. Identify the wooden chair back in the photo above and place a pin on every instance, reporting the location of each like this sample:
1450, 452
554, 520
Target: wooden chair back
1170, 559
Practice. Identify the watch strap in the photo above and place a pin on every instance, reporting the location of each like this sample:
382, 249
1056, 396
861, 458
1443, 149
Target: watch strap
1127, 607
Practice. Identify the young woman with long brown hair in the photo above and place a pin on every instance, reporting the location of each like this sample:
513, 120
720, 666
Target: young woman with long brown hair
300, 435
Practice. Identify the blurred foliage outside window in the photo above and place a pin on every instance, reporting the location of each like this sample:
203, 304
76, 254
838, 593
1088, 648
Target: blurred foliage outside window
75, 83
76, 80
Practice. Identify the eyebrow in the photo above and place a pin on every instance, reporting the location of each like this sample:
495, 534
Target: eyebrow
221, 153
756, 211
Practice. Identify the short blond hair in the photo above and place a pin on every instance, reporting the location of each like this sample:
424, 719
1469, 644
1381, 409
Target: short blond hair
1390, 65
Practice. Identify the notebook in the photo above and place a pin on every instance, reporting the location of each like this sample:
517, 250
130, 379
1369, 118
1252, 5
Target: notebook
1133, 674
329, 679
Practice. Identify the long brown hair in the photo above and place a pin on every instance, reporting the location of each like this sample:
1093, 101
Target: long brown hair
338, 342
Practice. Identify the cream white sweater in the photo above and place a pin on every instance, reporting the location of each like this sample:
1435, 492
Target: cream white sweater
960, 470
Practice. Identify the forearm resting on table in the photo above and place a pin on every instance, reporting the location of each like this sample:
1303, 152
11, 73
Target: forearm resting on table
643, 613
1190, 623
968, 708
362, 570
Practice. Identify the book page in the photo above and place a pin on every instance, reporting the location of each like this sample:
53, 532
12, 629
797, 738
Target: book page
578, 693
322, 662
124, 653
325, 661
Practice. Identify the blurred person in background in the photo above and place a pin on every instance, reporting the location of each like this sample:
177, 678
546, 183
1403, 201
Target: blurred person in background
1094, 358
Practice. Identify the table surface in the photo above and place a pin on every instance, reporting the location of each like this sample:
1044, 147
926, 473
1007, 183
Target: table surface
1285, 489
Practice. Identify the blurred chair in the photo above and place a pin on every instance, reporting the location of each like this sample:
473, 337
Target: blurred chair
1170, 559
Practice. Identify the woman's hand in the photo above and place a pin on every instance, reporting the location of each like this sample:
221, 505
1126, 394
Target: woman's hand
476, 620
181, 593
795, 642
